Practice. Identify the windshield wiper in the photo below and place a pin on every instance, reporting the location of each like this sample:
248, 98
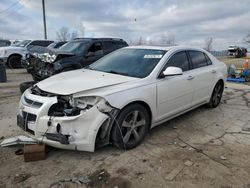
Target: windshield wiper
116, 72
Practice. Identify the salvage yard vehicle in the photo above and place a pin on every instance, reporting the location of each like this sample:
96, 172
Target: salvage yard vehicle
120, 97
75, 54
236, 51
12, 55
4, 43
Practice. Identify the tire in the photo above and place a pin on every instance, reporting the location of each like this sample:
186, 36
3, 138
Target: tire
216, 95
247, 79
14, 62
131, 127
25, 85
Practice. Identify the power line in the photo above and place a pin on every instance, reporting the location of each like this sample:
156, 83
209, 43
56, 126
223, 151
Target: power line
12, 5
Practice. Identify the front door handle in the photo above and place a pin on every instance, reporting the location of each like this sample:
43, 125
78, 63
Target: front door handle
190, 77
213, 71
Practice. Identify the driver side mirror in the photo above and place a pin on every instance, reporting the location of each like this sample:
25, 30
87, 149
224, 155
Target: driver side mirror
171, 71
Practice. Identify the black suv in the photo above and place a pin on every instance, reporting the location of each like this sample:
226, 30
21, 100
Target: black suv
75, 54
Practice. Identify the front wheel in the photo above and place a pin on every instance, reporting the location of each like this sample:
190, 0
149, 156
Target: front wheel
14, 61
131, 127
216, 95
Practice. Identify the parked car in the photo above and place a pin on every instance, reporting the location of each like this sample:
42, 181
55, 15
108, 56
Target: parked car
120, 97
12, 55
75, 54
236, 51
4, 43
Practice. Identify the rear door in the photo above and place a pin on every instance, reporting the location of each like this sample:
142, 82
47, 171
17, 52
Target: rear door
96, 51
108, 47
203, 73
174, 93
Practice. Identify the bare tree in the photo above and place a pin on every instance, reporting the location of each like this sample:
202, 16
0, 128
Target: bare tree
208, 43
63, 34
74, 34
140, 41
81, 29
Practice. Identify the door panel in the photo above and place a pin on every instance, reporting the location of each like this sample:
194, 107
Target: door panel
174, 94
204, 76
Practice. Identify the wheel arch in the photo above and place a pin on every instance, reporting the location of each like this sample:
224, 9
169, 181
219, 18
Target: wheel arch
221, 81
108, 134
15, 54
145, 105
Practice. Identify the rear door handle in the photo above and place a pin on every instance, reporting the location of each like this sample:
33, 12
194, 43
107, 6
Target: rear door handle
213, 71
190, 77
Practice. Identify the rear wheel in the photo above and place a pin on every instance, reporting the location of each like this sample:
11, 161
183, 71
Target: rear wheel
14, 61
216, 95
131, 127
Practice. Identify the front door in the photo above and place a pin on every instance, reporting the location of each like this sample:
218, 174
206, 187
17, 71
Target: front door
174, 93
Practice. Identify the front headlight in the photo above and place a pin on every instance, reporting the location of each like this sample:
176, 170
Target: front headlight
90, 101
83, 102
46, 57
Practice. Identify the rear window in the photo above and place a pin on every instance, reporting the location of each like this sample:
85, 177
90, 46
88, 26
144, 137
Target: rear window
209, 62
198, 59
109, 46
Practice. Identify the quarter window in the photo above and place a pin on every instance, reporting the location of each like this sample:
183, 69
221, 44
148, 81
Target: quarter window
96, 48
198, 59
209, 62
178, 60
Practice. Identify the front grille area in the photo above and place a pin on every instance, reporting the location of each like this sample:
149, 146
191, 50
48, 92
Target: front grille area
29, 117
23, 124
32, 103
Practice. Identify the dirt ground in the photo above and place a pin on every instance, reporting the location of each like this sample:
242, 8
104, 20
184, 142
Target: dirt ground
202, 148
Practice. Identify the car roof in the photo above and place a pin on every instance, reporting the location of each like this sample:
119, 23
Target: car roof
98, 39
166, 48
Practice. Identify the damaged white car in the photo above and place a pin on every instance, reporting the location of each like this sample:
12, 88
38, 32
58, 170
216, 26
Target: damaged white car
120, 97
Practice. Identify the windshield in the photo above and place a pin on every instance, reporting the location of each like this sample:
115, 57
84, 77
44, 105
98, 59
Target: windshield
22, 44
130, 62
75, 47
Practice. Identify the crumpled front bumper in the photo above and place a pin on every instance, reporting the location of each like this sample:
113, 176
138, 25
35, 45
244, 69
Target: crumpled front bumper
67, 132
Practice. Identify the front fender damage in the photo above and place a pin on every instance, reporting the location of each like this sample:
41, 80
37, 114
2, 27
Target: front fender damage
104, 132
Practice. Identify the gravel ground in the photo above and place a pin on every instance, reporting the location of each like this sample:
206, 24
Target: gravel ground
202, 148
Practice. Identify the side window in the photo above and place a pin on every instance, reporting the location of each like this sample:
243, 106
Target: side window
40, 43
96, 48
209, 62
198, 59
108, 46
120, 44
178, 60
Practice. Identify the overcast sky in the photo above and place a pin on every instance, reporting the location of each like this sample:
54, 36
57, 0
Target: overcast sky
189, 21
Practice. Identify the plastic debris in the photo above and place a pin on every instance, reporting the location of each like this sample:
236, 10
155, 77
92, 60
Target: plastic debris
188, 163
17, 140
223, 158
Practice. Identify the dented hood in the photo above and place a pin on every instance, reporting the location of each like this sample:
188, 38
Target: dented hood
81, 80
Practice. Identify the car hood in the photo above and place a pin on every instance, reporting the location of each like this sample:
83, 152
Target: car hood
51, 51
81, 80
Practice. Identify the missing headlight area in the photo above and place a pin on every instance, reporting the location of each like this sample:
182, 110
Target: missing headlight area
69, 106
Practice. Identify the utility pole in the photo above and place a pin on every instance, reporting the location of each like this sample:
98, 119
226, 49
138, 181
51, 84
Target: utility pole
44, 21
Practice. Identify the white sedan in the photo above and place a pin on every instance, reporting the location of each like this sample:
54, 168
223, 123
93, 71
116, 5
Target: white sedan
120, 97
